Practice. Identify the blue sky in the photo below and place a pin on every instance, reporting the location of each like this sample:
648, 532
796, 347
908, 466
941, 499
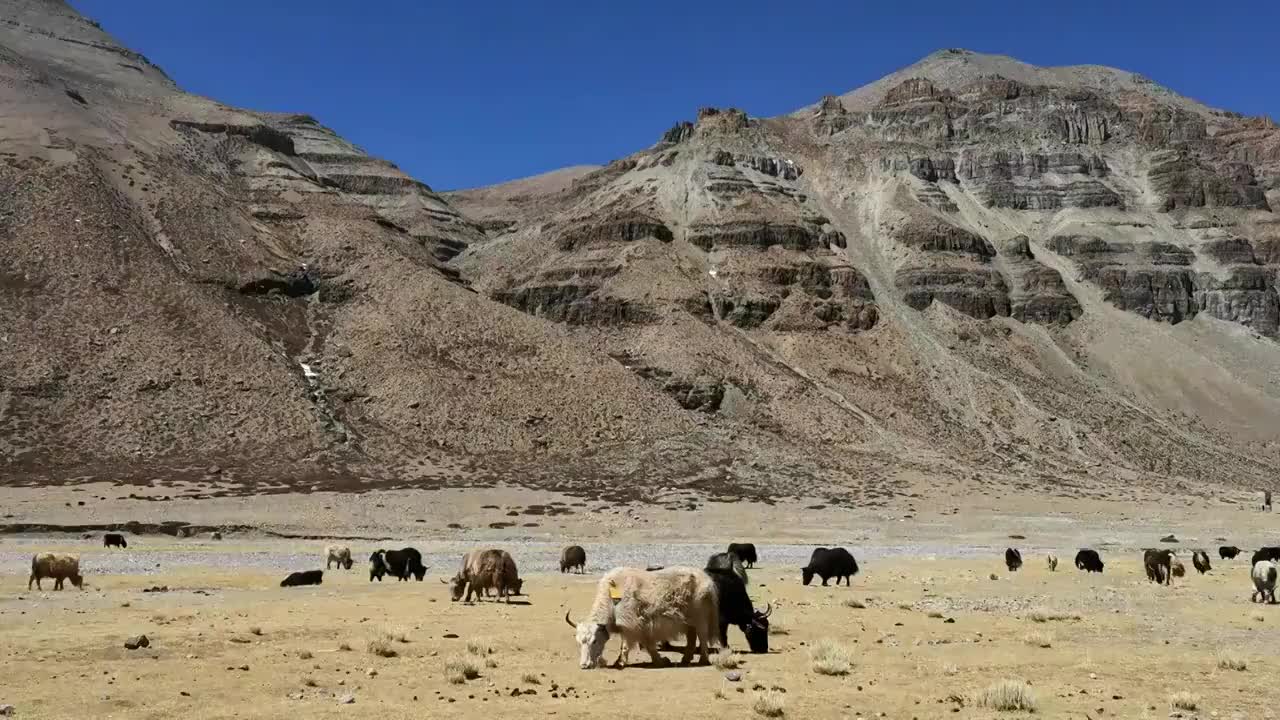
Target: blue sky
462, 94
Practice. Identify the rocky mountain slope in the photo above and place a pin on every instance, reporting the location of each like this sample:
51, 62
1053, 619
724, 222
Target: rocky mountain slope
1052, 278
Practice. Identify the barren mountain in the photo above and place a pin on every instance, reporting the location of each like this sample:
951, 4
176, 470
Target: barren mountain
972, 270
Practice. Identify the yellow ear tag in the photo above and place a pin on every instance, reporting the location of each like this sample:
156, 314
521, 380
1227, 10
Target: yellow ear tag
614, 592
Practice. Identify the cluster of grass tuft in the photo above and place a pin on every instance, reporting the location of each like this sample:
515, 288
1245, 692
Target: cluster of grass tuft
830, 658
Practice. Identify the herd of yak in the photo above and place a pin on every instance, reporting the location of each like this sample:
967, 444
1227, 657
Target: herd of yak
1162, 566
650, 608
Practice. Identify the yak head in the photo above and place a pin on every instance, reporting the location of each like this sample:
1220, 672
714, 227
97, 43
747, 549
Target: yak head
77, 580
591, 637
806, 574
457, 586
757, 631
516, 586
347, 563
419, 572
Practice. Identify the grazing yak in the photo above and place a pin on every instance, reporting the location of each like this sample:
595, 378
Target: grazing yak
114, 540
730, 579
1159, 565
746, 551
1228, 552
728, 562
340, 554
830, 563
377, 566
403, 563
59, 566
1200, 559
1089, 561
307, 577
1012, 559
1264, 581
573, 557
515, 584
1052, 561
1266, 553
647, 609
482, 570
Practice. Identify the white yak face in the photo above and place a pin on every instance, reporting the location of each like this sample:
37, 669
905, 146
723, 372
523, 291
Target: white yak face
591, 638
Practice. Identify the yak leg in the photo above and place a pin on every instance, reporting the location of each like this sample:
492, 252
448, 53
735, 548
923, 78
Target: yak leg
36, 579
651, 647
624, 654
57, 583
692, 636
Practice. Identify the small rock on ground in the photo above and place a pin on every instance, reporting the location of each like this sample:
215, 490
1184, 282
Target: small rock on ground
733, 676
139, 641
347, 700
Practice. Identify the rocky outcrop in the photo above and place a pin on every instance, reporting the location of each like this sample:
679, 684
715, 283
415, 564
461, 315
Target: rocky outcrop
574, 304
831, 117
1180, 180
744, 311
1152, 279
264, 135
932, 235
977, 292
678, 133
698, 394
761, 235
1247, 295
911, 90
1037, 293
620, 228
821, 280
1038, 181
1229, 251
1162, 125
714, 121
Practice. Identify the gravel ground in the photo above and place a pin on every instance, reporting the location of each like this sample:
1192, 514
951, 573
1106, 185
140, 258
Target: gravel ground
154, 555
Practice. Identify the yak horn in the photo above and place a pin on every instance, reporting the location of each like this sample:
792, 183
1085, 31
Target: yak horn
768, 609
443, 581
572, 624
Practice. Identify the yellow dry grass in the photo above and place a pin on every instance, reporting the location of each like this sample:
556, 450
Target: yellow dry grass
67, 640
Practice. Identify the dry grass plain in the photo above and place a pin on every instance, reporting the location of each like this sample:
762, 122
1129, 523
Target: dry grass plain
924, 639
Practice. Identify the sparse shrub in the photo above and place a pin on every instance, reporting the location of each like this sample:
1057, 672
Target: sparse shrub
950, 669
255, 630
1259, 617
1008, 695
769, 703
906, 606
1038, 639
461, 669
381, 647
478, 647
855, 604
344, 647
726, 659
830, 658
530, 679
1184, 701
1042, 615
305, 655
777, 628
1228, 660
490, 663
309, 682
395, 636
935, 615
